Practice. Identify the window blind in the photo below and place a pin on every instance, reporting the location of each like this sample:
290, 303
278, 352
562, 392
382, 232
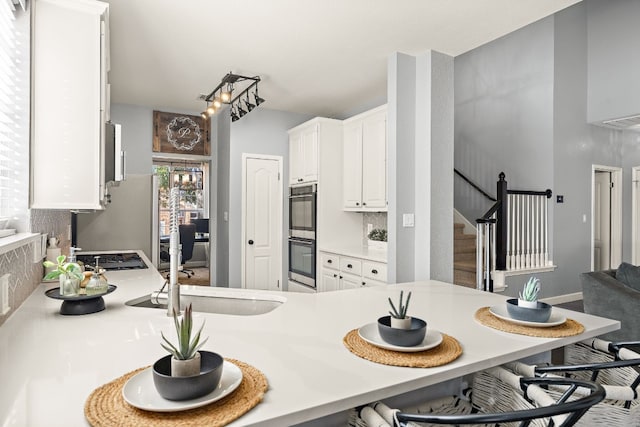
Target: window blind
14, 113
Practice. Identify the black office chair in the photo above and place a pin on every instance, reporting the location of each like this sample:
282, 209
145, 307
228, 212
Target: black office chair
187, 240
202, 225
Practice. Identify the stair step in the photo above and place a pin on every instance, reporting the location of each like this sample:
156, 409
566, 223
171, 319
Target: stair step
464, 237
464, 247
464, 278
469, 266
465, 256
458, 228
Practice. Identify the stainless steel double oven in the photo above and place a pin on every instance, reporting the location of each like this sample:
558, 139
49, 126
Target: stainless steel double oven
302, 235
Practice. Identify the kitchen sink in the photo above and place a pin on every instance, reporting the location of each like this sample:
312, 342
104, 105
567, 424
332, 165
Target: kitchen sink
215, 300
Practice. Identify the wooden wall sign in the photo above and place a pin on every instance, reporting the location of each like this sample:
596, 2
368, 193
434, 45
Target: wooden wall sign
181, 133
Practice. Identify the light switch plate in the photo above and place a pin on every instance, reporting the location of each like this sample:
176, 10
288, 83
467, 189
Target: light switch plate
407, 220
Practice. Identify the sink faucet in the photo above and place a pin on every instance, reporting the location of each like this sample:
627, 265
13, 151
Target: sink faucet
173, 292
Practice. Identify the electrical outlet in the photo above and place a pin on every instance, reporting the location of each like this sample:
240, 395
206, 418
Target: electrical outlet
4, 294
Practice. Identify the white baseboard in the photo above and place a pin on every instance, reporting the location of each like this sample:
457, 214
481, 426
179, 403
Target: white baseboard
561, 299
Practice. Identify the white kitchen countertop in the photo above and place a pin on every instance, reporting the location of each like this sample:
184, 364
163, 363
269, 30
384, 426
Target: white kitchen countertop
50, 363
357, 251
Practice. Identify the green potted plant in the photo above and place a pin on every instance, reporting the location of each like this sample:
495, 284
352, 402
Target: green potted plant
69, 273
528, 297
377, 238
399, 318
186, 357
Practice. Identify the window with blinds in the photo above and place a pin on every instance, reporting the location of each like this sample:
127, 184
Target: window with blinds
14, 112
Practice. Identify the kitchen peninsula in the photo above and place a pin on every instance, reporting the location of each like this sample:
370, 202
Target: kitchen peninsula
49, 363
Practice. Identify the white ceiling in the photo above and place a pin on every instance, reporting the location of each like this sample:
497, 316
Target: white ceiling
322, 57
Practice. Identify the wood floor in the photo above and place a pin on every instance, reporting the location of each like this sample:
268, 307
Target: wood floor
199, 278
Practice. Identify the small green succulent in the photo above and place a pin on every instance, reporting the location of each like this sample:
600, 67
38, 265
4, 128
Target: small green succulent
378, 234
187, 347
401, 311
530, 290
71, 269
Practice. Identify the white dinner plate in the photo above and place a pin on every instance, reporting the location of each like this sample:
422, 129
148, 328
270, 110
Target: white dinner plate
370, 334
500, 311
140, 391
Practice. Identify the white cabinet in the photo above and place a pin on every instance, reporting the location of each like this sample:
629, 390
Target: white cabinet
70, 103
339, 272
365, 161
303, 154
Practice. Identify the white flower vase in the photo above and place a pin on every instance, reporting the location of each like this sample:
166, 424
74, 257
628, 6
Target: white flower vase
527, 304
404, 323
185, 368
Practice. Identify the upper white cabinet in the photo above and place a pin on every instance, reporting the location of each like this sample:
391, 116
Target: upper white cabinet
303, 154
365, 161
70, 103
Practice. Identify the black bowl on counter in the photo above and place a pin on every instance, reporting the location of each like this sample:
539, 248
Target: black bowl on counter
185, 388
402, 337
539, 314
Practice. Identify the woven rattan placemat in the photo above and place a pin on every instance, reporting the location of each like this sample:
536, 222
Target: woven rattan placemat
105, 406
448, 351
567, 329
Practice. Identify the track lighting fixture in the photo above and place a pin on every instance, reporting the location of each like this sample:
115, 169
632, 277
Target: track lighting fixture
249, 105
223, 94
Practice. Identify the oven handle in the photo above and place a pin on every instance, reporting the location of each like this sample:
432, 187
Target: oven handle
301, 196
302, 241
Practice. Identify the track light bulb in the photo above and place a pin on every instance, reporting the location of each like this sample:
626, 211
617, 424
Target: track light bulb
211, 110
225, 95
204, 115
241, 111
216, 102
258, 99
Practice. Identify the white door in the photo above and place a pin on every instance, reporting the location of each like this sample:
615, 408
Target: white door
602, 221
263, 223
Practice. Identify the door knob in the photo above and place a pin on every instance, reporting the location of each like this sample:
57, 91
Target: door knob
250, 242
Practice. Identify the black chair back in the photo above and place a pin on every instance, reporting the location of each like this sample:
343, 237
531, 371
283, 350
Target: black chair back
187, 240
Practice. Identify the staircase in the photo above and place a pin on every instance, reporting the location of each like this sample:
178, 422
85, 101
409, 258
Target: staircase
464, 257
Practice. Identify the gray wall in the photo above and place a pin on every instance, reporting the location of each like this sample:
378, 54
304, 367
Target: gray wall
223, 132
262, 131
613, 59
420, 163
521, 107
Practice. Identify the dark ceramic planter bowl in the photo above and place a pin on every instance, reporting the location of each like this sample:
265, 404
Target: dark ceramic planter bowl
540, 314
185, 388
402, 337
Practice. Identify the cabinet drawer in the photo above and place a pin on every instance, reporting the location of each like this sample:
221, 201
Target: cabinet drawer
369, 282
375, 270
351, 265
330, 260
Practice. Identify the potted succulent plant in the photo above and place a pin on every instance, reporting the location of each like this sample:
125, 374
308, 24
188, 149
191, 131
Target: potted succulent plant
186, 358
399, 318
377, 238
528, 297
69, 273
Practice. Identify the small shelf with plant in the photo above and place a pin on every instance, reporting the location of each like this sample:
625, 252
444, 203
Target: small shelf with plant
377, 238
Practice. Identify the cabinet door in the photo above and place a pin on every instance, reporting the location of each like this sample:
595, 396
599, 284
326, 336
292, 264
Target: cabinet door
329, 280
352, 165
67, 162
374, 161
350, 281
369, 282
310, 154
295, 158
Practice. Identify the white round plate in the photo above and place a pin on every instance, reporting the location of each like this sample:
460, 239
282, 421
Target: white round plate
500, 311
140, 391
370, 334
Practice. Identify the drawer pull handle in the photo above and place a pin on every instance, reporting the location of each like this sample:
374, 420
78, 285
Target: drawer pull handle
335, 275
364, 283
329, 261
374, 271
349, 266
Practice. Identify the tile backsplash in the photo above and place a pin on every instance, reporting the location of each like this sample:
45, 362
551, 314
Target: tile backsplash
24, 274
377, 219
